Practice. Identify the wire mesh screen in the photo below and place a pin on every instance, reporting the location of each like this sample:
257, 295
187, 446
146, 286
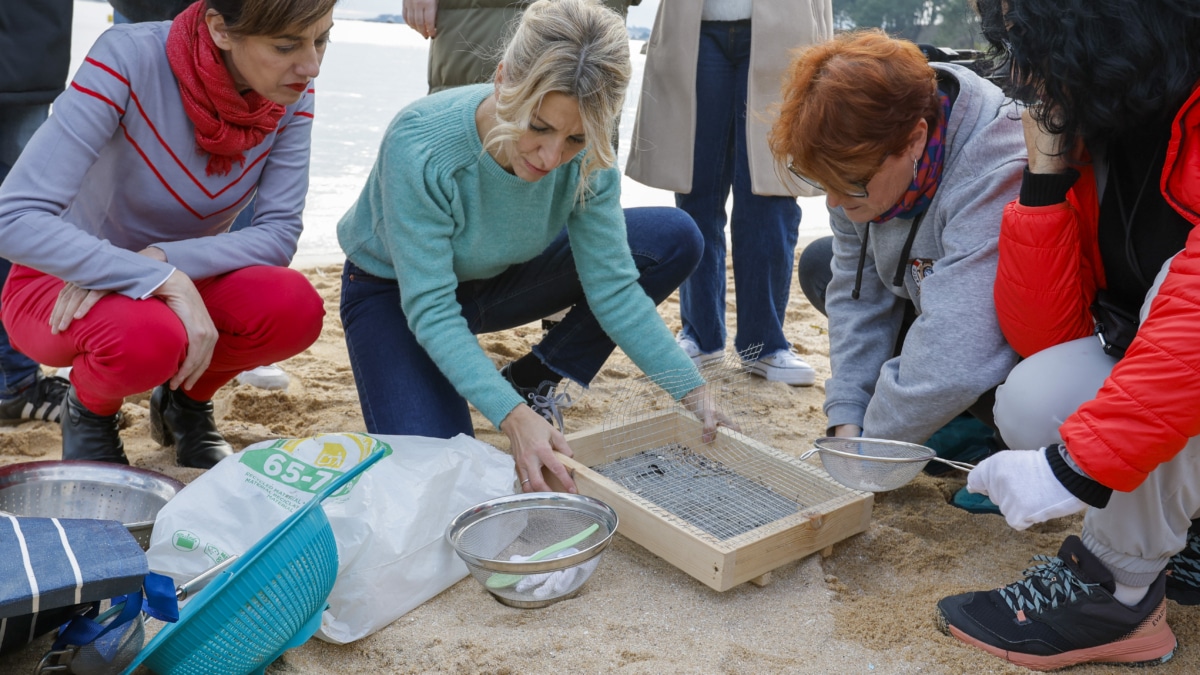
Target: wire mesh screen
654, 449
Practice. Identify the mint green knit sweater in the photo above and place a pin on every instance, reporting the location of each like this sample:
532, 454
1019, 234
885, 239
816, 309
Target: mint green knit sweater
437, 210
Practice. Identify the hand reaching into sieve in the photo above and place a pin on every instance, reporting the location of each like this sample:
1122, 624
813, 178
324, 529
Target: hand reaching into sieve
533, 442
700, 403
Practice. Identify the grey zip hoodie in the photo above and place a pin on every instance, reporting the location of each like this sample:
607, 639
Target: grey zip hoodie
954, 351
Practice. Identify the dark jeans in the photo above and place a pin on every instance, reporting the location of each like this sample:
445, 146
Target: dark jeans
401, 389
17, 124
815, 270
17, 371
763, 229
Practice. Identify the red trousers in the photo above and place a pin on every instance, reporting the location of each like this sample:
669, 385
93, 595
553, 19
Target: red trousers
123, 346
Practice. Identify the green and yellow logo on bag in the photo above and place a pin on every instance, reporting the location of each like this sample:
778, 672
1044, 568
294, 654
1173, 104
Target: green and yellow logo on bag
332, 456
309, 464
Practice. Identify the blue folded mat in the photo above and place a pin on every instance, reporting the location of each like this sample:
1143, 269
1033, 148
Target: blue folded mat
53, 568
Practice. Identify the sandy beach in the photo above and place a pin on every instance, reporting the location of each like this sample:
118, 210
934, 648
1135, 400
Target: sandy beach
868, 608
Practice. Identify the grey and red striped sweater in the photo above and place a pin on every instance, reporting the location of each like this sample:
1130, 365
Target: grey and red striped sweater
116, 169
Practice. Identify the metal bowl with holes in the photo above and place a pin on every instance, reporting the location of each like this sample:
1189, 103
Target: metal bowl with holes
875, 464
532, 550
82, 489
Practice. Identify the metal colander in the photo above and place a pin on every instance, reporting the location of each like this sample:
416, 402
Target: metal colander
873, 464
83, 489
495, 538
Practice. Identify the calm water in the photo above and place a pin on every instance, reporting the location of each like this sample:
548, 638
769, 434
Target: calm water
370, 72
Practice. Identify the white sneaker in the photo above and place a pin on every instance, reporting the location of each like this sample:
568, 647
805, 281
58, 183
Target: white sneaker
265, 377
689, 347
784, 366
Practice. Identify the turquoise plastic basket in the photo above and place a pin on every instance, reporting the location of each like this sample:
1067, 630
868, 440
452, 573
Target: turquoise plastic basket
267, 602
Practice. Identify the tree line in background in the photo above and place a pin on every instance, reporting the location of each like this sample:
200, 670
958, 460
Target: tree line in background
945, 23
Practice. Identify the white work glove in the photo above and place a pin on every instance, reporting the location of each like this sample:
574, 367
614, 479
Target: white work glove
1024, 487
553, 584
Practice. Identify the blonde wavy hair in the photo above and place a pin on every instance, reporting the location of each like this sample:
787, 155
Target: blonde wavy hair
578, 48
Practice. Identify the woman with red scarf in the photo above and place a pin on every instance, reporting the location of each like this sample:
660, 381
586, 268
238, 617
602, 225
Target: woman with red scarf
917, 162
117, 218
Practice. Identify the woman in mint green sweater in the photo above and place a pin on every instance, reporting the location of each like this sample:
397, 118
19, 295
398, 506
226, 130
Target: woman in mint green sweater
494, 205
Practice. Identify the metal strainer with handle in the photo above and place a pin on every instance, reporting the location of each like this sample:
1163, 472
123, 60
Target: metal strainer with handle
874, 464
532, 550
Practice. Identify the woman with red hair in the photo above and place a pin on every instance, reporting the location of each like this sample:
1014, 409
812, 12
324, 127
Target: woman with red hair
117, 216
917, 162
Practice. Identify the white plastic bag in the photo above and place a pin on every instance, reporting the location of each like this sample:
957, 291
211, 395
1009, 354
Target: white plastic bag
390, 525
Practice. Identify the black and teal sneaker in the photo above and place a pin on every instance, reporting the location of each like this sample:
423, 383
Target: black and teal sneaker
1061, 614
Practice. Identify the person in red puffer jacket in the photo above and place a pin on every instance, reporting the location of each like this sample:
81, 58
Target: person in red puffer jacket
1098, 287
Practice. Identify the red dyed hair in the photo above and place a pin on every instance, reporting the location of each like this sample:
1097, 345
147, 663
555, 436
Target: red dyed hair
849, 103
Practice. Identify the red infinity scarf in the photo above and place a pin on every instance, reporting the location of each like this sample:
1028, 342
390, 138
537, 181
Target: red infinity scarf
227, 123
928, 175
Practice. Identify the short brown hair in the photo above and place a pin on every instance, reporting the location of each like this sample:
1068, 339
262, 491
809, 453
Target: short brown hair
849, 103
269, 17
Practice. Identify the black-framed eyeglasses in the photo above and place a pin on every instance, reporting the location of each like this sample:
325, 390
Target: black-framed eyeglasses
858, 190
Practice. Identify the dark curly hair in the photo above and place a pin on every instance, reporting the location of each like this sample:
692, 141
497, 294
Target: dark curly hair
1100, 67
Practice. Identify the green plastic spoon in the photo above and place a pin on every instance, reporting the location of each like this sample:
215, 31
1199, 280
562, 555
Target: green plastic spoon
499, 580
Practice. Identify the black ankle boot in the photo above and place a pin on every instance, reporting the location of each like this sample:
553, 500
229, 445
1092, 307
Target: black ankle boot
177, 420
86, 435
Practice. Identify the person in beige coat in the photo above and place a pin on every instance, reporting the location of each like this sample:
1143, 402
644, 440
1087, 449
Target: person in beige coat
713, 72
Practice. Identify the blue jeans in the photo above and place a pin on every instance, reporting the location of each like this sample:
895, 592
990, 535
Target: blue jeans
401, 389
764, 229
17, 124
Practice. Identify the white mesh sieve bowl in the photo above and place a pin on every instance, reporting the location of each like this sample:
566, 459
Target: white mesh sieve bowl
871, 464
488, 535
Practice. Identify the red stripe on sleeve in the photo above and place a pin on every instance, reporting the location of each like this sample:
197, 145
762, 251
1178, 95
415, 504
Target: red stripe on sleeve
98, 95
107, 69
